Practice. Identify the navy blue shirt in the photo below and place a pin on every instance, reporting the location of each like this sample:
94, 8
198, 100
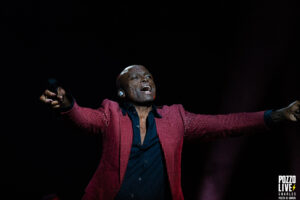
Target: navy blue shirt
146, 176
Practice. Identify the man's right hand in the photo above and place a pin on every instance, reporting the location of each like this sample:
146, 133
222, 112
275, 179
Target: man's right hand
54, 100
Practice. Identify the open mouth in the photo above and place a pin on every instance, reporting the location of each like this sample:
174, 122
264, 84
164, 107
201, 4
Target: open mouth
147, 89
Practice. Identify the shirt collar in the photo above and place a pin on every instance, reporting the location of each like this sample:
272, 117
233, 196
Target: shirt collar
128, 107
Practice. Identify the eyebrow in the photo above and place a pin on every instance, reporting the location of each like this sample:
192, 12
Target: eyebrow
147, 73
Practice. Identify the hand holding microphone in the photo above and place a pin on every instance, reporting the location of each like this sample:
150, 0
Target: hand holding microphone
55, 96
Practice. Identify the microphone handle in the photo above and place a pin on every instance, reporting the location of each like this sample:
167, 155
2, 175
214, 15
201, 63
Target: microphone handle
53, 85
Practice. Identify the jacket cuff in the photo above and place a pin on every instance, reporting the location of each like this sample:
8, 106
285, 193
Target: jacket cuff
268, 119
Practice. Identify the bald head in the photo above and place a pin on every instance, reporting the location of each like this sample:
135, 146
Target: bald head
124, 72
131, 67
135, 84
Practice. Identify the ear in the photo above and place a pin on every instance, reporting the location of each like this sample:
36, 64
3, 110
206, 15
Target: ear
121, 93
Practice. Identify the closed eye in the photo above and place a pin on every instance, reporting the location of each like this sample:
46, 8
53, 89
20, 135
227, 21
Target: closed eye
149, 76
133, 77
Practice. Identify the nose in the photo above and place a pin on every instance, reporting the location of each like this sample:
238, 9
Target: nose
145, 79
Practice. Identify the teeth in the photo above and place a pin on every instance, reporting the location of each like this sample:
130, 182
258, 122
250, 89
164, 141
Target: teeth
146, 88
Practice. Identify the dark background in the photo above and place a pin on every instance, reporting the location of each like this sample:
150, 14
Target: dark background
212, 57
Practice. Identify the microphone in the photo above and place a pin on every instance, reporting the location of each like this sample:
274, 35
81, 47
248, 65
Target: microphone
53, 85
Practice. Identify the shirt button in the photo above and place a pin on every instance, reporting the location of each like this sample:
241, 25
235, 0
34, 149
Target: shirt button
140, 178
138, 126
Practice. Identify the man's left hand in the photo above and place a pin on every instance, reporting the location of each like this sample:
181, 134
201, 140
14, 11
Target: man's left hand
289, 113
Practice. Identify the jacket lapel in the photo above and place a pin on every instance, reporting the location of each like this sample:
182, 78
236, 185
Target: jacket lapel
162, 127
126, 133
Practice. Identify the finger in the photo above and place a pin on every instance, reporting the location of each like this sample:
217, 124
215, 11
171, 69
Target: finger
295, 109
44, 99
61, 91
297, 105
54, 103
48, 101
295, 102
61, 94
56, 106
60, 99
48, 93
293, 117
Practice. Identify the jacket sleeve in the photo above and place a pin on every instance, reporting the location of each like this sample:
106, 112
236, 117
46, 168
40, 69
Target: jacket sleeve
210, 127
89, 120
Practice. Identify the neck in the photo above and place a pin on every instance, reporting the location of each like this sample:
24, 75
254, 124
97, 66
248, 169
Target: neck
143, 111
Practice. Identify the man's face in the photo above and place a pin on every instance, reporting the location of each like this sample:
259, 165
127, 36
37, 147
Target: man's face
138, 84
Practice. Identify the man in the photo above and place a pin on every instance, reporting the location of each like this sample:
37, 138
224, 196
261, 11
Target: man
142, 144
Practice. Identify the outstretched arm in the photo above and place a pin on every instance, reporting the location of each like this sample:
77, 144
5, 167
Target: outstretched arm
90, 120
210, 127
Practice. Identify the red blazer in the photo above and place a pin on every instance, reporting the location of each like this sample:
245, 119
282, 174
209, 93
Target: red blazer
175, 125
